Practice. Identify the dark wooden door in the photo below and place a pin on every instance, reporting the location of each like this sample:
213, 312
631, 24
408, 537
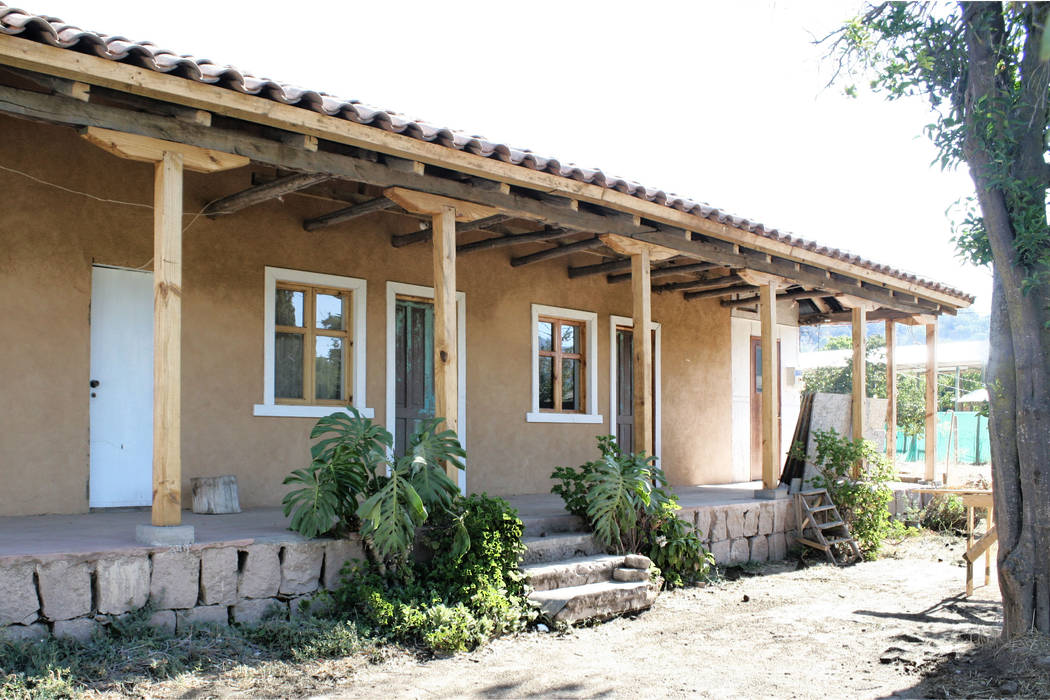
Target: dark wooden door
625, 389
756, 403
414, 397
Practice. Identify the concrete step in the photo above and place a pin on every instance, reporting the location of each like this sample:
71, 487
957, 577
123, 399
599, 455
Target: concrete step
543, 525
559, 547
595, 601
577, 571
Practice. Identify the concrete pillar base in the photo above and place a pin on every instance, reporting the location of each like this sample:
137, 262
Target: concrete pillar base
776, 494
164, 536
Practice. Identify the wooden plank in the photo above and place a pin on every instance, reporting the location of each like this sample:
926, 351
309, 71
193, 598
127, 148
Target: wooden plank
446, 379
263, 193
770, 388
424, 235
516, 239
931, 400
434, 204
149, 150
720, 292
167, 340
350, 213
891, 390
643, 351
557, 252
599, 268
666, 271
974, 552
860, 376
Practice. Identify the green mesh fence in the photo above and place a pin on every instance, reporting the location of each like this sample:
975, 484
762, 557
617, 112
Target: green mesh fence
973, 440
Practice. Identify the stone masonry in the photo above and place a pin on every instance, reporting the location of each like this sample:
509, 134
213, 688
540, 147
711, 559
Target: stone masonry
738, 533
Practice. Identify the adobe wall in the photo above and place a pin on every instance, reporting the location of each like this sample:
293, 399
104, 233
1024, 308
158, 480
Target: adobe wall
51, 238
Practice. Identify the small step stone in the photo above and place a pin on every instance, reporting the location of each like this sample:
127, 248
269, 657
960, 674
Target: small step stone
595, 601
625, 574
637, 561
559, 547
577, 571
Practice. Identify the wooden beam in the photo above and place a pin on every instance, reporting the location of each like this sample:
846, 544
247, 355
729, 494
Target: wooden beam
427, 203
557, 252
699, 284
425, 234
770, 387
891, 390
349, 213
720, 292
446, 379
625, 245
931, 400
149, 150
167, 340
263, 193
599, 268
516, 239
845, 317
783, 296
860, 376
643, 351
667, 271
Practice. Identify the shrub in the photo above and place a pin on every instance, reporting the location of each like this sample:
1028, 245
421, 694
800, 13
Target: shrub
863, 502
945, 513
677, 549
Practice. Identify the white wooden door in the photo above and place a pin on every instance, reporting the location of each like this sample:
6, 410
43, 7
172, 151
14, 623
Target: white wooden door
121, 388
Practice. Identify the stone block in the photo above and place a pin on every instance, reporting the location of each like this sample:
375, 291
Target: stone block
720, 551
301, 567
219, 576
255, 610
165, 535
759, 548
734, 522
121, 584
637, 561
65, 589
260, 574
751, 521
702, 522
164, 619
336, 554
19, 603
80, 629
777, 546
780, 512
789, 517
176, 579
24, 633
630, 575
718, 525
201, 615
739, 551
765, 518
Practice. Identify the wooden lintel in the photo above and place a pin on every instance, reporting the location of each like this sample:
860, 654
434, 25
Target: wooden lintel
517, 239
263, 193
423, 235
630, 246
349, 213
149, 150
557, 252
432, 204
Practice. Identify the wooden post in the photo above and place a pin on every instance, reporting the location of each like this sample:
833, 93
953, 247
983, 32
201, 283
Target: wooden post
860, 376
931, 400
770, 389
891, 391
446, 364
643, 352
167, 339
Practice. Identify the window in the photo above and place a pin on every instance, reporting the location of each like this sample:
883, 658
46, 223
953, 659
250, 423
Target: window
314, 344
564, 349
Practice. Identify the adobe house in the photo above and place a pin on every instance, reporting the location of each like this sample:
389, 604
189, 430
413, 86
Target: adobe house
197, 264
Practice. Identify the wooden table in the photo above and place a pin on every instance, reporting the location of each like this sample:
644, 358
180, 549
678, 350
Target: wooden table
974, 498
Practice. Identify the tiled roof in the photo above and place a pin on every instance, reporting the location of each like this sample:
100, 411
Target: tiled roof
55, 32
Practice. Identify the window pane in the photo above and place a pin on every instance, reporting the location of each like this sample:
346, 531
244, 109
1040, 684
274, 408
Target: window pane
289, 308
328, 368
288, 366
330, 312
570, 385
570, 338
546, 330
546, 382
758, 369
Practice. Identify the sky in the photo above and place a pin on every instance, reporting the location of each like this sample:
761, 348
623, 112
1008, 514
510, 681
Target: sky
725, 103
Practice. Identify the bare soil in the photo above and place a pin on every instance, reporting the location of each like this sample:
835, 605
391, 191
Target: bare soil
869, 630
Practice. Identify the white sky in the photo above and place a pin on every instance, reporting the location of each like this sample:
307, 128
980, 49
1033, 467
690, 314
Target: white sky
721, 102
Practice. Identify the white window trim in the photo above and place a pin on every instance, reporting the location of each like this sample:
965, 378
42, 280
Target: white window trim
393, 289
590, 318
625, 321
358, 289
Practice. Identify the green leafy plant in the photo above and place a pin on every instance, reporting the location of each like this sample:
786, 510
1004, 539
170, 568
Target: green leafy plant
862, 502
677, 549
945, 513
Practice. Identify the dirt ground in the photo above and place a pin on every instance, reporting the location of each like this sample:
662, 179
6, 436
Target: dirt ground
869, 630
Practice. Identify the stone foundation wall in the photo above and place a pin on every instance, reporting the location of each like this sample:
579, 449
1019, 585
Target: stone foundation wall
220, 583
746, 532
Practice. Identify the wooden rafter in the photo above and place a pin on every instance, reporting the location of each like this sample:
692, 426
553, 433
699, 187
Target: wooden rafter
783, 296
599, 268
517, 239
721, 292
349, 213
263, 193
557, 252
666, 271
424, 235
699, 285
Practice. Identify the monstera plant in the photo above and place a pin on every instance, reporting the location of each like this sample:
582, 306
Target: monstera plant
353, 482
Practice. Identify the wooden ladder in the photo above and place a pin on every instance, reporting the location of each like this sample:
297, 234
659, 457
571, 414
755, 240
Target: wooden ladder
815, 511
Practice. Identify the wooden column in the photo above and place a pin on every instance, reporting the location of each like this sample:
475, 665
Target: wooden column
770, 386
931, 399
167, 340
446, 364
643, 352
859, 318
891, 390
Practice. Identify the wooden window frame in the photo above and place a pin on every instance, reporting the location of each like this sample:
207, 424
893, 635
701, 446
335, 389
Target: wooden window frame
588, 412
310, 332
557, 355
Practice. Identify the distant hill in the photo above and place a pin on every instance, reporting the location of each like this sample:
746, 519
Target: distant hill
968, 325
